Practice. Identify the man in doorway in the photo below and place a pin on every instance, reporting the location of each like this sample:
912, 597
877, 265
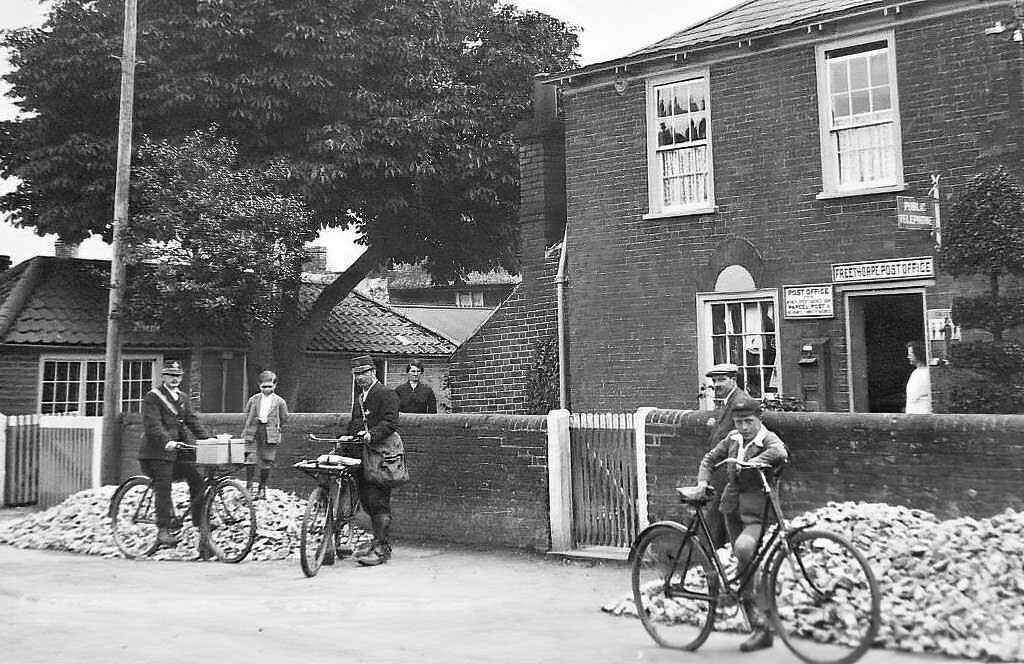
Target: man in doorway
415, 396
727, 394
919, 385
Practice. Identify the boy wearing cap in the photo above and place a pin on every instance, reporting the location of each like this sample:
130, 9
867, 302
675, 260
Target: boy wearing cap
743, 498
375, 422
168, 419
265, 413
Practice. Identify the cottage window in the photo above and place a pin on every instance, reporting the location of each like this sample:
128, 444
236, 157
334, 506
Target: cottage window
679, 152
76, 385
860, 132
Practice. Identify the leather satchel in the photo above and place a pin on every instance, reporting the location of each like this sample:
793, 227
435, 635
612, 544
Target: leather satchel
385, 464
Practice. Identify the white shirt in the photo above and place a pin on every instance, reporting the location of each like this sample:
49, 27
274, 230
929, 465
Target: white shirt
265, 403
919, 392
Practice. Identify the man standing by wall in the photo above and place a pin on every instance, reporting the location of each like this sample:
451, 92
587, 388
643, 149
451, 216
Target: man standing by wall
727, 394
414, 396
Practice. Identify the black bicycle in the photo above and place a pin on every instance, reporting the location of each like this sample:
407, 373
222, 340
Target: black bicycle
823, 600
327, 531
228, 524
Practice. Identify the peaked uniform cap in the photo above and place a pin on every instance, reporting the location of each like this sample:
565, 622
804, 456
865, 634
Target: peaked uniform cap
172, 367
362, 363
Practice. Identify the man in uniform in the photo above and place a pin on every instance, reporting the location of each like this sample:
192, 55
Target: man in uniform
168, 420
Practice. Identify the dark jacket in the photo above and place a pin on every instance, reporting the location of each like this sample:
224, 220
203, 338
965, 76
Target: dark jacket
744, 491
166, 418
378, 413
418, 400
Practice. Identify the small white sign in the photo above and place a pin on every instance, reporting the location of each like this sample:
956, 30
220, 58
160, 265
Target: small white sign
810, 301
940, 324
901, 268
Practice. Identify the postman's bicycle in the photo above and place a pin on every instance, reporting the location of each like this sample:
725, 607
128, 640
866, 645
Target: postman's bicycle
327, 531
228, 524
823, 599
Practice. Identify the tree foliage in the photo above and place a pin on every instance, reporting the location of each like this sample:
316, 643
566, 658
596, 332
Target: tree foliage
395, 116
984, 235
217, 247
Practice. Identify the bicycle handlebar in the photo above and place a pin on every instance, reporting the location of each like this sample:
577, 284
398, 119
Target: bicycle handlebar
743, 464
339, 439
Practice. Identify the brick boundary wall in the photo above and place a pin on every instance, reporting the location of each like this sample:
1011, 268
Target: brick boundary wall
477, 480
950, 465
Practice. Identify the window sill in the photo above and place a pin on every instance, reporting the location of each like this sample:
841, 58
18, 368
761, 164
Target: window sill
710, 209
867, 191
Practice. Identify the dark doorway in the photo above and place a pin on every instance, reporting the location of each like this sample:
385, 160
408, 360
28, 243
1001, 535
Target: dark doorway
880, 327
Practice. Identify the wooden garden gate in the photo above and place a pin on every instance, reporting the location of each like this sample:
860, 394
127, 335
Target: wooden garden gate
46, 458
609, 506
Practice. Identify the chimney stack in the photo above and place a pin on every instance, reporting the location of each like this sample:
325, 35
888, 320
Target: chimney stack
65, 249
317, 261
5, 263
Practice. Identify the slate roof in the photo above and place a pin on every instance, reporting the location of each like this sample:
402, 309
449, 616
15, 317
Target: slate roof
456, 323
745, 20
48, 300
755, 16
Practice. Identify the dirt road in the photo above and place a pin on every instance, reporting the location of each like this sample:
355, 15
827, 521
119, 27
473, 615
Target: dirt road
429, 606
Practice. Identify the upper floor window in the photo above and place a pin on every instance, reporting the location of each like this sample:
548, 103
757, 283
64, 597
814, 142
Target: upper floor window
860, 132
469, 299
679, 146
76, 385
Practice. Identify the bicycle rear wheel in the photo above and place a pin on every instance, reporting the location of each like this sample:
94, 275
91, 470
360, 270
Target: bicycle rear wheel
315, 534
823, 599
344, 524
133, 518
675, 588
229, 521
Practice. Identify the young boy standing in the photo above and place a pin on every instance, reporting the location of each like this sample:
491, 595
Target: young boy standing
265, 414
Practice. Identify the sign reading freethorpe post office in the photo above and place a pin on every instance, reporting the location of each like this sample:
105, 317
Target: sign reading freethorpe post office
922, 267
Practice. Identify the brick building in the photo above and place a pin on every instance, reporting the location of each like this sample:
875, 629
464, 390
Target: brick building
745, 190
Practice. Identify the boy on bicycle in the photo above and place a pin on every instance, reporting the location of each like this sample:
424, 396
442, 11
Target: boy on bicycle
743, 499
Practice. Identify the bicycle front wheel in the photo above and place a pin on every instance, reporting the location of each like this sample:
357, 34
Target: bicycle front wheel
133, 518
675, 588
823, 599
229, 521
315, 535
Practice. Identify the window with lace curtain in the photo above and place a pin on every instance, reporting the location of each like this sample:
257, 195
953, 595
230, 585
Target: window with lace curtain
860, 132
679, 140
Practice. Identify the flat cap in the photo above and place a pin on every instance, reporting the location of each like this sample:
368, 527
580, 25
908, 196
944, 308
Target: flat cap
724, 369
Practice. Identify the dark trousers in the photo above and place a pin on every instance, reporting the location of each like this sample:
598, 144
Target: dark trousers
163, 473
376, 500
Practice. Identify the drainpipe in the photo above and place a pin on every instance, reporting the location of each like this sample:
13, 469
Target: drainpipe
560, 290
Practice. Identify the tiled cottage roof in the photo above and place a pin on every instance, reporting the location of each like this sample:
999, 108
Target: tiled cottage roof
63, 301
755, 16
360, 324
48, 300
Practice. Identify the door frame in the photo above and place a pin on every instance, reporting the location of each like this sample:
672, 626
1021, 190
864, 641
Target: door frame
848, 291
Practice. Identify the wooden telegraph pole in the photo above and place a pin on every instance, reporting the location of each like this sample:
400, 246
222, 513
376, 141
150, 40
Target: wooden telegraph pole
112, 378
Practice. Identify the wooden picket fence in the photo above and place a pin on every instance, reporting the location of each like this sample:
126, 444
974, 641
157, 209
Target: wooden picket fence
46, 458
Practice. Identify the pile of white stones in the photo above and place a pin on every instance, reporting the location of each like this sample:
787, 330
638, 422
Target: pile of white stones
81, 524
954, 587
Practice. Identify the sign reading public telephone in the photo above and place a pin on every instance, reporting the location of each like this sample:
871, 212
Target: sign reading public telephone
915, 213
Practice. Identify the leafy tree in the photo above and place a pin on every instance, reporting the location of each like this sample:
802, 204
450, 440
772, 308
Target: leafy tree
984, 235
393, 116
217, 250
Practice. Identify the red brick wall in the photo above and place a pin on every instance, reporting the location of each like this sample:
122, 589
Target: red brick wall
489, 372
476, 480
950, 465
632, 282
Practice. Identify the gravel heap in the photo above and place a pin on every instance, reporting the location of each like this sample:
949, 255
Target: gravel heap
81, 524
952, 587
